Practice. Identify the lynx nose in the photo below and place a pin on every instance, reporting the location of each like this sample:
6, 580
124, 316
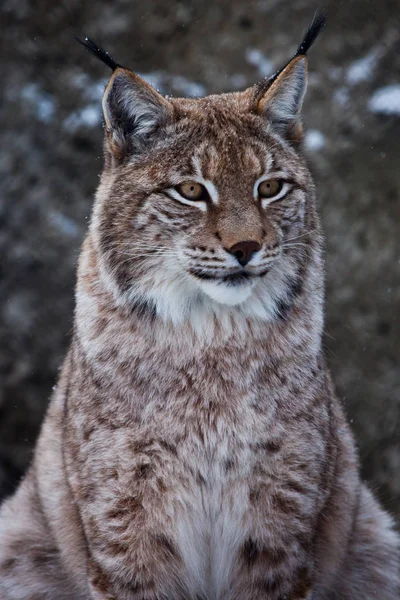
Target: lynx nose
244, 251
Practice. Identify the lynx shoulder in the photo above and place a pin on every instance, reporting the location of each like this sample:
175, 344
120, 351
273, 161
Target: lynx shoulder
194, 447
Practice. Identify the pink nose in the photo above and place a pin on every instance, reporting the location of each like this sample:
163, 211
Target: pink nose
244, 251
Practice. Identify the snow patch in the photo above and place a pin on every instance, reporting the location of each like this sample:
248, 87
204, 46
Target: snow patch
66, 225
88, 116
362, 69
42, 102
91, 90
256, 58
341, 96
166, 83
314, 140
386, 100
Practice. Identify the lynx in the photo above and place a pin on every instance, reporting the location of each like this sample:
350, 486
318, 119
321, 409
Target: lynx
194, 448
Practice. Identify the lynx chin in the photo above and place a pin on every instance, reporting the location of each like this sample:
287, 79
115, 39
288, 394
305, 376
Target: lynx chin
194, 448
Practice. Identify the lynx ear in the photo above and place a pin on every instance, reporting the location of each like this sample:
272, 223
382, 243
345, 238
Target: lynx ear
133, 112
281, 103
281, 96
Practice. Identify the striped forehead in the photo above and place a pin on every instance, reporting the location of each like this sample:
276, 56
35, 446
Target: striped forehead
212, 162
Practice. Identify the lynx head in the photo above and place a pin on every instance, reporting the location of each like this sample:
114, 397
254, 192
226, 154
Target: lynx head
205, 204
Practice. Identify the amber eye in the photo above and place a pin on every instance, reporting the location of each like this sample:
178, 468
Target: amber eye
269, 188
191, 190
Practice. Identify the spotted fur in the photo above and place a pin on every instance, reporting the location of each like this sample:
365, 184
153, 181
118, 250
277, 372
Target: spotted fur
194, 447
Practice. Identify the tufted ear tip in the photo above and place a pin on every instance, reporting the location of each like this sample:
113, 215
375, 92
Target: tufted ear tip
98, 52
280, 97
133, 110
313, 31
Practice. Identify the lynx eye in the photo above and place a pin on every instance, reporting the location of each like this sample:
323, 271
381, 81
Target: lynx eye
191, 190
270, 188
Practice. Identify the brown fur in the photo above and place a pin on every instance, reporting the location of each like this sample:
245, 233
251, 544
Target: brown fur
194, 447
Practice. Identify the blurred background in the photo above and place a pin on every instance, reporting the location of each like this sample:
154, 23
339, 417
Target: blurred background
51, 156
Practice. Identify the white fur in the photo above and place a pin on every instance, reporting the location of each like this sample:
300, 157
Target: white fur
215, 522
224, 293
180, 298
200, 204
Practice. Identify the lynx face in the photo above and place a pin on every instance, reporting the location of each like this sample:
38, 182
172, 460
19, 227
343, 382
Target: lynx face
204, 204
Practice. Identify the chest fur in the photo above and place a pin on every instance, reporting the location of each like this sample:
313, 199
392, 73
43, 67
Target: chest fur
186, 461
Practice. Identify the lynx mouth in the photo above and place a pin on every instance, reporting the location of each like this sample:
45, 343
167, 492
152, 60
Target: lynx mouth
233, 279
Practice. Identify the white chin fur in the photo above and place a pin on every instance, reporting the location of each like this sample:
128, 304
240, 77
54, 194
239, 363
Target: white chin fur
227, 294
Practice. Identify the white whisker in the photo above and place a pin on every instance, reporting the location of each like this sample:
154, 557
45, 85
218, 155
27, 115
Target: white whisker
297, 245
302, 235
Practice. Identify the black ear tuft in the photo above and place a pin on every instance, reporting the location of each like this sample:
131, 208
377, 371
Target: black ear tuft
312, 33
98, 52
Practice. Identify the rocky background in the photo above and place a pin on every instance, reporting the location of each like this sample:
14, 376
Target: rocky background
50, 158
